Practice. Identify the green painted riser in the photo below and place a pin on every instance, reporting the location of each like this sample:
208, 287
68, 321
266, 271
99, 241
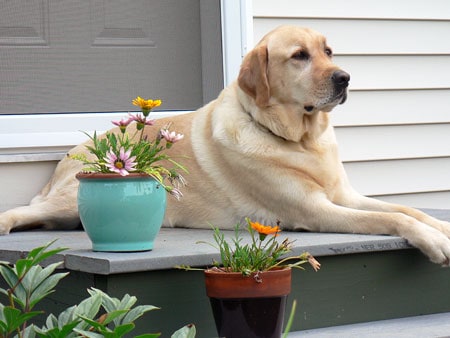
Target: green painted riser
348, 289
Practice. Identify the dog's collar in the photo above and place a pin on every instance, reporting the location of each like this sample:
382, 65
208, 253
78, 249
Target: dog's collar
263, 127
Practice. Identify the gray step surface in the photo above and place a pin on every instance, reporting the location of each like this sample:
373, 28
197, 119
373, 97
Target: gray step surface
428, 326
178, 247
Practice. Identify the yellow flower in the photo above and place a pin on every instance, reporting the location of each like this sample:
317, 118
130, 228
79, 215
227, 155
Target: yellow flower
265, 229
146, 104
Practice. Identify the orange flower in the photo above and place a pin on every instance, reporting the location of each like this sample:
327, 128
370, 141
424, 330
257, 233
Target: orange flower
265, 229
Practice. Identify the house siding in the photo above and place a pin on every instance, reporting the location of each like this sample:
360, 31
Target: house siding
394, 129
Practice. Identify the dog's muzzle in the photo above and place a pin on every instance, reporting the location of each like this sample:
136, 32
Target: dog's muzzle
338, 95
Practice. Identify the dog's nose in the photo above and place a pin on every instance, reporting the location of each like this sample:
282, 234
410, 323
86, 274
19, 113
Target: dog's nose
340, 78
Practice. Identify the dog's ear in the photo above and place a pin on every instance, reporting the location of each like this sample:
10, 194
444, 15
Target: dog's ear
253, 75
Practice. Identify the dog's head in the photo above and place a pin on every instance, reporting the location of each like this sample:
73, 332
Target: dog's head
293, 66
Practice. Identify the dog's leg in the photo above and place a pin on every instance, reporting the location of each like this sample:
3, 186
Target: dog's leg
358, 201
37, 216
55, 207
329, 217
34, 216
44, 214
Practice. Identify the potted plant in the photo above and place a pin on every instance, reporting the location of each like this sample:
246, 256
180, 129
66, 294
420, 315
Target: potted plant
248, 289
124, 183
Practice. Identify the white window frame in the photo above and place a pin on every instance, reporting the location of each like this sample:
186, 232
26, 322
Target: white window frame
47, 137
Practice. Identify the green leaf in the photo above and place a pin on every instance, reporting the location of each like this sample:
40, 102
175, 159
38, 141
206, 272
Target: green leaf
92, 322
187, 331
89, 307
137, 312
17, 289
51, 321
111, 304
113, 315
47, 254
68, 331
127, 302
108, 303
45, 288
123, 329
39, 254
37, 275
65, 317
64, 331
29, 332
88, 334
14, 318
9, 275
22, 265
3, 328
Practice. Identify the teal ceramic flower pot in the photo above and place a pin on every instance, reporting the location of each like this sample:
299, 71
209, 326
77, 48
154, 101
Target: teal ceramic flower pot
121, 213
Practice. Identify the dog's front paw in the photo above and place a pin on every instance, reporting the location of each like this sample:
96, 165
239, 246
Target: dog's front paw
4, 230
5, 224
436, 245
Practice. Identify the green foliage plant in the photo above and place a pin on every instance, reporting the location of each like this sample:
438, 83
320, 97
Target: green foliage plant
263, 253
97, 316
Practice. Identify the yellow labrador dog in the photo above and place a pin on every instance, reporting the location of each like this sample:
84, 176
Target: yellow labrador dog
263, 149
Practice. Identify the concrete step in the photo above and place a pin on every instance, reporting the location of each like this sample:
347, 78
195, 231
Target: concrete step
363, 279
428, 326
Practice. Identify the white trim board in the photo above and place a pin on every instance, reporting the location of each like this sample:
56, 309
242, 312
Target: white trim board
237, 36
25, 138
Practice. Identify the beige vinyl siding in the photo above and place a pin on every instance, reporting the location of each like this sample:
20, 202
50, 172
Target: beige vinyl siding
394, 130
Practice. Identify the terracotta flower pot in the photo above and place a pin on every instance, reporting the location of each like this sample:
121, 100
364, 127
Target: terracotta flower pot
121, 213
252, 306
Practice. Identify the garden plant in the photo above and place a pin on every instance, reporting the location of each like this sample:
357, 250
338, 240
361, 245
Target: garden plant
99, 315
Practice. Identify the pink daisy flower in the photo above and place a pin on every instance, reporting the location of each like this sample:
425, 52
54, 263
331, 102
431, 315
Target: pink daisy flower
171, 137
121, 164
141, 121
123, 124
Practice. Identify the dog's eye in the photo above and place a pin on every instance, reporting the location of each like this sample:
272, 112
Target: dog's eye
300, 55
329, 52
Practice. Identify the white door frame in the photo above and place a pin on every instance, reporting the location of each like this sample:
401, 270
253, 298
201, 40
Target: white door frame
237, 35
